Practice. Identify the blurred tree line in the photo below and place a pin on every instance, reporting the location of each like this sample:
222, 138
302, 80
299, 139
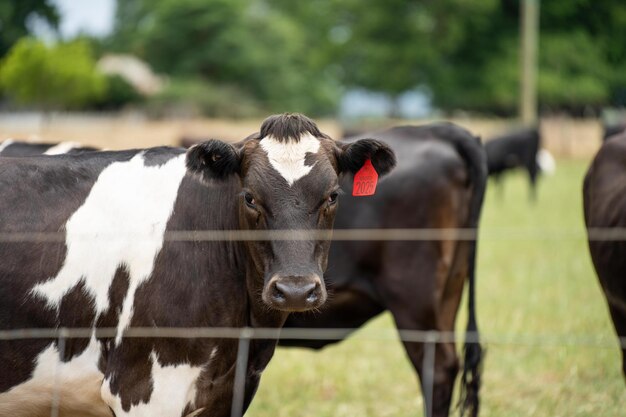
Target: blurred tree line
241, 57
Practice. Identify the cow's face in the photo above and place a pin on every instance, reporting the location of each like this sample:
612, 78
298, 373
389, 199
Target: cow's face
289, 176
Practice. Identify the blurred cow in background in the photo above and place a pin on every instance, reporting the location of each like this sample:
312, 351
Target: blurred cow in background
11, 147
519, 149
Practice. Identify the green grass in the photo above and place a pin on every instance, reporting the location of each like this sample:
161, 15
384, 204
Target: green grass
528, 286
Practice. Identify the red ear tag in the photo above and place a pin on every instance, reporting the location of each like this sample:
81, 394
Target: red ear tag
365, 180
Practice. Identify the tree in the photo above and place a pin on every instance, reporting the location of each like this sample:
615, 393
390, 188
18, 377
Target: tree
293, 55
15, 17
243, 43
58, 77
582, 58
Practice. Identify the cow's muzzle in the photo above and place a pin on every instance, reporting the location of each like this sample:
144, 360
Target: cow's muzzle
295, 293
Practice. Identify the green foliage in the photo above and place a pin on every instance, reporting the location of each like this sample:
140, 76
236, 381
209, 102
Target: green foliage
57, 77
300, 56
573, 71
582, 58
15, 14
572, 74
232, 42
194, 97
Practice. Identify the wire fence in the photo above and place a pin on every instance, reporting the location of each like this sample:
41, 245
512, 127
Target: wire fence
406, 234
245, 335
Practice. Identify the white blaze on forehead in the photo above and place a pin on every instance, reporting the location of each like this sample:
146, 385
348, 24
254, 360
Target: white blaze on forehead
121, 224
172, 388
4, 144
61, 148
288, 157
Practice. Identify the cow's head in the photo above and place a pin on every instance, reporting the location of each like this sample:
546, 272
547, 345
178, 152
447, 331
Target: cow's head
289, 176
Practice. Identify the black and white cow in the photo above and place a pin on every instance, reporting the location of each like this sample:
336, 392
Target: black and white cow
439, 183
11, 147
519, 149
604, 201
115, 268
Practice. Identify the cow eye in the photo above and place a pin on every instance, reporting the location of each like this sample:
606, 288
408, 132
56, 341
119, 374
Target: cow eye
250, 201
332, 198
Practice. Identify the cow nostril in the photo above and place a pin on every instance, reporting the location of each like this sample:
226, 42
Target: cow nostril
312, 295
296, 292
279, 291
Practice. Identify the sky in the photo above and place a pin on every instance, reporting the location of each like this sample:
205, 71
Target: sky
94, 17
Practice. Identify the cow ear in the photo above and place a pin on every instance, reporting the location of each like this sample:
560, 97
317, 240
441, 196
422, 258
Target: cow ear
213, 160
352, 156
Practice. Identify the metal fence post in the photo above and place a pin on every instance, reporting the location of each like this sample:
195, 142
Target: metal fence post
239, 385
428, 371
56, 393
529, 25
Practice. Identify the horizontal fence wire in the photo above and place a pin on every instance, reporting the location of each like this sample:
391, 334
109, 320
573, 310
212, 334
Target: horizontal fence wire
405, 335
417, 234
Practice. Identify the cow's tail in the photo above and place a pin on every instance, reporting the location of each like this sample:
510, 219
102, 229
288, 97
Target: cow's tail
473, 153
473, 352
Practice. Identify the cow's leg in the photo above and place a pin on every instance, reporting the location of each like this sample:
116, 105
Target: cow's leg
618, 315
415, 283
499, 185
532, 183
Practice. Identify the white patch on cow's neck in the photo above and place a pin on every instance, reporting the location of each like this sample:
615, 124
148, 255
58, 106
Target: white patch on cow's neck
61, 148
173, 387
4, 144
48, 364
121, 224
288, 157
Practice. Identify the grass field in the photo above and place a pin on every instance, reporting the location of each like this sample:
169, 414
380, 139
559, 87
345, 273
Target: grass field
536, 285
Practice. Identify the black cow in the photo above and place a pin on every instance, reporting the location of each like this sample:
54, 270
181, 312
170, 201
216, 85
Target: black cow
519, 149
115, 267
604, 199
439, 183
12, 147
